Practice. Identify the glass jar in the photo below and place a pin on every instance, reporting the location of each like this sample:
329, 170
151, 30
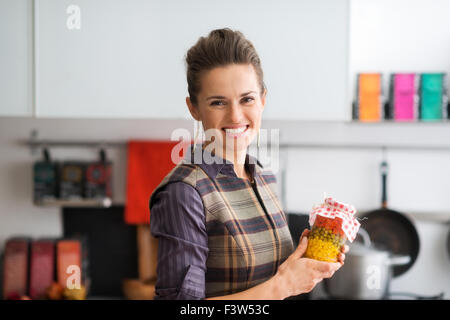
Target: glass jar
325, 239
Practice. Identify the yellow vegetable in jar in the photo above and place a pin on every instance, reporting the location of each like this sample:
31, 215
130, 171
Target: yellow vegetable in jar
325, 242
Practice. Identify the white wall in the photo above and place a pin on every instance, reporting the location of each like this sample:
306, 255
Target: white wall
16, 80
349, 175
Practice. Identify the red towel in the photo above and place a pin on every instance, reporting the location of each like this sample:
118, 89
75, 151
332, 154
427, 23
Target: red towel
148, 163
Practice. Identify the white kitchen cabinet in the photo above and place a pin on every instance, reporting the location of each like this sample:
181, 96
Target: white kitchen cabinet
126, 59
15, 58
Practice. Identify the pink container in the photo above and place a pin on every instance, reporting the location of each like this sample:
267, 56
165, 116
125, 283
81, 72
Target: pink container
404, 97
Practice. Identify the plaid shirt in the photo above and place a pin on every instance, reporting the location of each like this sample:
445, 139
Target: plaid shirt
218, 234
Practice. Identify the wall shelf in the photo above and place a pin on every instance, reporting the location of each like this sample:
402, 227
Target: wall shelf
35, 144
102, 202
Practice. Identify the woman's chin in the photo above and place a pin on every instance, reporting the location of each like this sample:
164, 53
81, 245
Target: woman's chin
238, 145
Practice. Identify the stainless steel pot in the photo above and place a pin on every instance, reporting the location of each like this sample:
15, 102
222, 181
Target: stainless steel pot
366, 273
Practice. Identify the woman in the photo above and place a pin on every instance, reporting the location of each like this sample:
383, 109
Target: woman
222, 233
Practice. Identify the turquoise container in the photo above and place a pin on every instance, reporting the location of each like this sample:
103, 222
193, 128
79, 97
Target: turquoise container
431, 96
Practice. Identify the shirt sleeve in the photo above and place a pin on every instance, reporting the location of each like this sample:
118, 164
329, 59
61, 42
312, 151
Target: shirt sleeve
177, 219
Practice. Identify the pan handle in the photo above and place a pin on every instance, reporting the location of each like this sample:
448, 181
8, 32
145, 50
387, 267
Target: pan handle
398, 260
384, 171
365, 236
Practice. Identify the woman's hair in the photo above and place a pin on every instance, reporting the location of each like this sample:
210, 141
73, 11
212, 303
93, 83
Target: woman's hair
220, 48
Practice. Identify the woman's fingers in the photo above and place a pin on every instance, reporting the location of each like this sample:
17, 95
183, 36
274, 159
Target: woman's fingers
325, 267
301, 248
305, 233
345, 248
302, 245
341, 258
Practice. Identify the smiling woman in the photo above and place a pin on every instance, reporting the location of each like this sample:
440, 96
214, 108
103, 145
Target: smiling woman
222, 231
230, 106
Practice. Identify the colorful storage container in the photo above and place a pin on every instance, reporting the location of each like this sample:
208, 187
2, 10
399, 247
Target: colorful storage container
433, 101
404, 97
369, 100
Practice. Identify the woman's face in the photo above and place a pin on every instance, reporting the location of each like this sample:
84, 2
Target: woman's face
230, 102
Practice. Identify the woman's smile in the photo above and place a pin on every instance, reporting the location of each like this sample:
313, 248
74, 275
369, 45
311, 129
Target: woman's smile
236, 131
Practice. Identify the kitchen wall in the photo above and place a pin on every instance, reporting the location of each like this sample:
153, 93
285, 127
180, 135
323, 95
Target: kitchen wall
418, 182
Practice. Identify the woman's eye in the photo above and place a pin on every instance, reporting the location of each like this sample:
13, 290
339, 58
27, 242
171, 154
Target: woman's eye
222, 103
217, 103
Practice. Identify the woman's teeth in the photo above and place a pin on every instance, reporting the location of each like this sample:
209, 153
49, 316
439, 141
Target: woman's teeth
237, 130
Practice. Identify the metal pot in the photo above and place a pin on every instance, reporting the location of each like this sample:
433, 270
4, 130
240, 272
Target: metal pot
366, 273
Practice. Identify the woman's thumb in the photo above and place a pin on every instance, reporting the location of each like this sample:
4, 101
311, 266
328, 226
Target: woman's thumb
301, 248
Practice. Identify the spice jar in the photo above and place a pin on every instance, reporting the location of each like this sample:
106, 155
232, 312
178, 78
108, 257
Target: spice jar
333, 223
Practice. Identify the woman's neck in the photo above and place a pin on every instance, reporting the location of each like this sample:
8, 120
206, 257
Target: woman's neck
238, 159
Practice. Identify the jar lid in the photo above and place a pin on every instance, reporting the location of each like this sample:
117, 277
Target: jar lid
332, 209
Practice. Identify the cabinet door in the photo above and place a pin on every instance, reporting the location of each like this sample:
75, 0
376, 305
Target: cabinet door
105, 59
117, 58
304, 50
15, 58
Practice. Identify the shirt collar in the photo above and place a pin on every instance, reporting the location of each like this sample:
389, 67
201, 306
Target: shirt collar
213, 164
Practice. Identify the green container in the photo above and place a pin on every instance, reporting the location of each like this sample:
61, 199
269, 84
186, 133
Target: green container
432, 90
45, 181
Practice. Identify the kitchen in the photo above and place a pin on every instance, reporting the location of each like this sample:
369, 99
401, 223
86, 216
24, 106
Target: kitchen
77, 81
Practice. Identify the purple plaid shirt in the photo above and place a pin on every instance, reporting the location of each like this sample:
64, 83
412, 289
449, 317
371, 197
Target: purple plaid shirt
178, 220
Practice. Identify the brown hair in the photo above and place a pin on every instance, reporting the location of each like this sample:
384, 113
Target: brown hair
220, 48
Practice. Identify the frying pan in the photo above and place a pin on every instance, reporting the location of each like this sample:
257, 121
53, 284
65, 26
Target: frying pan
391, 230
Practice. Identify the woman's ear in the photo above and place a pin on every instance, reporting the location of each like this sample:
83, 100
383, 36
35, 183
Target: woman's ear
192, 109
263, 98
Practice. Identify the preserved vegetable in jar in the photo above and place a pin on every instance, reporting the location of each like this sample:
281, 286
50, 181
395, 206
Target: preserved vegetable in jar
333, 223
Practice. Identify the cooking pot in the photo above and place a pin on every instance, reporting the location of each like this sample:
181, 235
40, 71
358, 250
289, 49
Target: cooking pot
366, 273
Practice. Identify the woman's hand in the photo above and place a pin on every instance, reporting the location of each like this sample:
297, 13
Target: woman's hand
297, 275
341, 256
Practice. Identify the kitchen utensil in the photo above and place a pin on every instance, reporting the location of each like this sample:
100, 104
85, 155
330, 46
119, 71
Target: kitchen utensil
45, 179
98, 178
72, 180
135, 289
391, 230
366, 273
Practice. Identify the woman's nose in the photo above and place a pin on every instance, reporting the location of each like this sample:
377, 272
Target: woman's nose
235, 113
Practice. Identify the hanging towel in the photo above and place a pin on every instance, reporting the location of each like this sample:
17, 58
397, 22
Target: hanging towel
148, 163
